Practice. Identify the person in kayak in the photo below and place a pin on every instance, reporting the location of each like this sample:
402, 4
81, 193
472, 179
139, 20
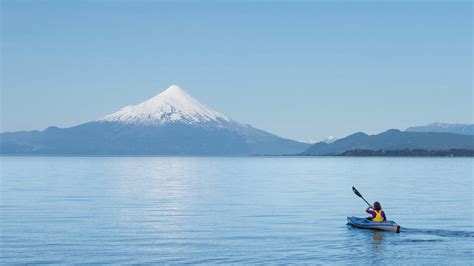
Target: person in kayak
378, 215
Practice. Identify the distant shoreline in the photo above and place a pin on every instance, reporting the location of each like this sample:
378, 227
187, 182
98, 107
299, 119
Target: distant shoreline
405, 153
390, 153
349, 153
410, 153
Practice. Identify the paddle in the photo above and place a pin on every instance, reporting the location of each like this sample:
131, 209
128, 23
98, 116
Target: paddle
359, 195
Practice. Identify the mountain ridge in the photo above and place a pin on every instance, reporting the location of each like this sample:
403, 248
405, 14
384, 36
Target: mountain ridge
393, 139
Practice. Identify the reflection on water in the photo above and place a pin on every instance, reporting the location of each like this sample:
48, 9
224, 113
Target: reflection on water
232, 210
377, 242
378, 237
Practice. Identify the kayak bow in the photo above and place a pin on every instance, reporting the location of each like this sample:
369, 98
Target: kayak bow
364, 223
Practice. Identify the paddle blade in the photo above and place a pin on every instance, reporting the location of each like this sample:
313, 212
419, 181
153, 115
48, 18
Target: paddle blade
356, 192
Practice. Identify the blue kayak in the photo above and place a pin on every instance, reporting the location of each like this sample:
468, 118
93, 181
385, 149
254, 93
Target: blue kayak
368, 224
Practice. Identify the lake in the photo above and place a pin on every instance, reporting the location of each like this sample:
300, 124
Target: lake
233, 210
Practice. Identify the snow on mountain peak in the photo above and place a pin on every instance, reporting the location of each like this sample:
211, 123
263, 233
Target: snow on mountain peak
329, 139
171, 106
174, 91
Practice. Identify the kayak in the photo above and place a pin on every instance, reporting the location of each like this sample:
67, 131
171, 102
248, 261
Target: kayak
368, 224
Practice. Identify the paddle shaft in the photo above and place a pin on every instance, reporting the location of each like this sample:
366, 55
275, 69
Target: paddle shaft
365, 200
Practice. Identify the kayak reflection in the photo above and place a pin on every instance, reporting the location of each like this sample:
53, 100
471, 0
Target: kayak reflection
378, 237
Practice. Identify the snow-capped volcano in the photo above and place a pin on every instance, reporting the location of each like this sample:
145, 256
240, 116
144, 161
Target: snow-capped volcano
171, 123
173, 105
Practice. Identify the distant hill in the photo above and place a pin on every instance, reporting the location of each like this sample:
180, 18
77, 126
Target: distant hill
171, 123
466, 129
393, 139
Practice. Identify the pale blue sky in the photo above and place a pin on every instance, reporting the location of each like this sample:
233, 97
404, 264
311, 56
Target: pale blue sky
301, 70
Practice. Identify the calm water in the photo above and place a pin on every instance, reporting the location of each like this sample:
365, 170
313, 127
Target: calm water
232, 210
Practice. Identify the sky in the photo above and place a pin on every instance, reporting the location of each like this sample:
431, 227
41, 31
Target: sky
299, 69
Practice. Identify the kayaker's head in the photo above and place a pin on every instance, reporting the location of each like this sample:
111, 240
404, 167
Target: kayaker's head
377, 206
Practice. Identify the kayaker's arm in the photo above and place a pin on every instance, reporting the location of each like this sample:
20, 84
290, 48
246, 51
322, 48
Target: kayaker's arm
368, 210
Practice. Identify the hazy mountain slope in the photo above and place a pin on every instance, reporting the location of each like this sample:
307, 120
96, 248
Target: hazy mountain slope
466, 129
